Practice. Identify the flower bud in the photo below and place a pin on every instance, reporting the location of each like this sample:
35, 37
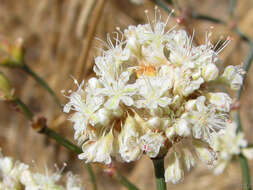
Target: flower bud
210, 72
182, 128
11, 54
129, 141
6, 92
151, 143
221, 101
205, 153
174, 172
233, 76
98, 151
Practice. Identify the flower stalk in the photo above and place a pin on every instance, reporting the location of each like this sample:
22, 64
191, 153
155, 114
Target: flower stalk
159, 173
125, 182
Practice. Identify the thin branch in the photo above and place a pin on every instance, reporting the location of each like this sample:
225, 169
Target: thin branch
246, 67
232, 5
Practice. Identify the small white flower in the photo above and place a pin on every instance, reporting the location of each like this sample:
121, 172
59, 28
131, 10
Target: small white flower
210, 72
205, 152
129, 140
174, 172
182, 127
98, 151
233, 75
205, 120
73, 182
153, 90
118, 91
151, 143
229, 143
220, 100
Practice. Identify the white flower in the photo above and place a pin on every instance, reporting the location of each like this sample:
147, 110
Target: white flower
151, 143
118, 91
210, 72
10, 172
174, 172
98, 151
205, 120
205, 152
129, 140
233, 76
73, 182
228, 144
153, 90
84, 107
186, 82
182, 127
220, 100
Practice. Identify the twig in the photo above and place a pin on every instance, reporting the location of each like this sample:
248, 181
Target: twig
232, 4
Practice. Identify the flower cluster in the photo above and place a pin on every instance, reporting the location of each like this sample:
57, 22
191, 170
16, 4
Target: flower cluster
153, 95
230, 143
15, 175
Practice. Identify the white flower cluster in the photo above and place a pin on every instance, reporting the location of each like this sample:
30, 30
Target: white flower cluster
15, 175
152, 95
229, 143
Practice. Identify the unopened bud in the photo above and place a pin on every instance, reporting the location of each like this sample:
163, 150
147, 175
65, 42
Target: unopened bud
11, 54
6, 92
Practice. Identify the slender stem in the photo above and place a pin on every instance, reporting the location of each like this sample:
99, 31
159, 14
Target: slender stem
69, 145
246, 67
245, 172
124, 181
242, 158
42, 82
21, 105
92, 176
159, 173
61, 140
199, 16
232, 4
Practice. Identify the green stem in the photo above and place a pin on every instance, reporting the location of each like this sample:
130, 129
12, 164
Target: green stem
246, 68
28, 113
242, 158
245, 172
69, 145
159, 173
124, 181
232, 5
42, 82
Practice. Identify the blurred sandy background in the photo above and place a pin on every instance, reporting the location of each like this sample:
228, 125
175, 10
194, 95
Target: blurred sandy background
59, 40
